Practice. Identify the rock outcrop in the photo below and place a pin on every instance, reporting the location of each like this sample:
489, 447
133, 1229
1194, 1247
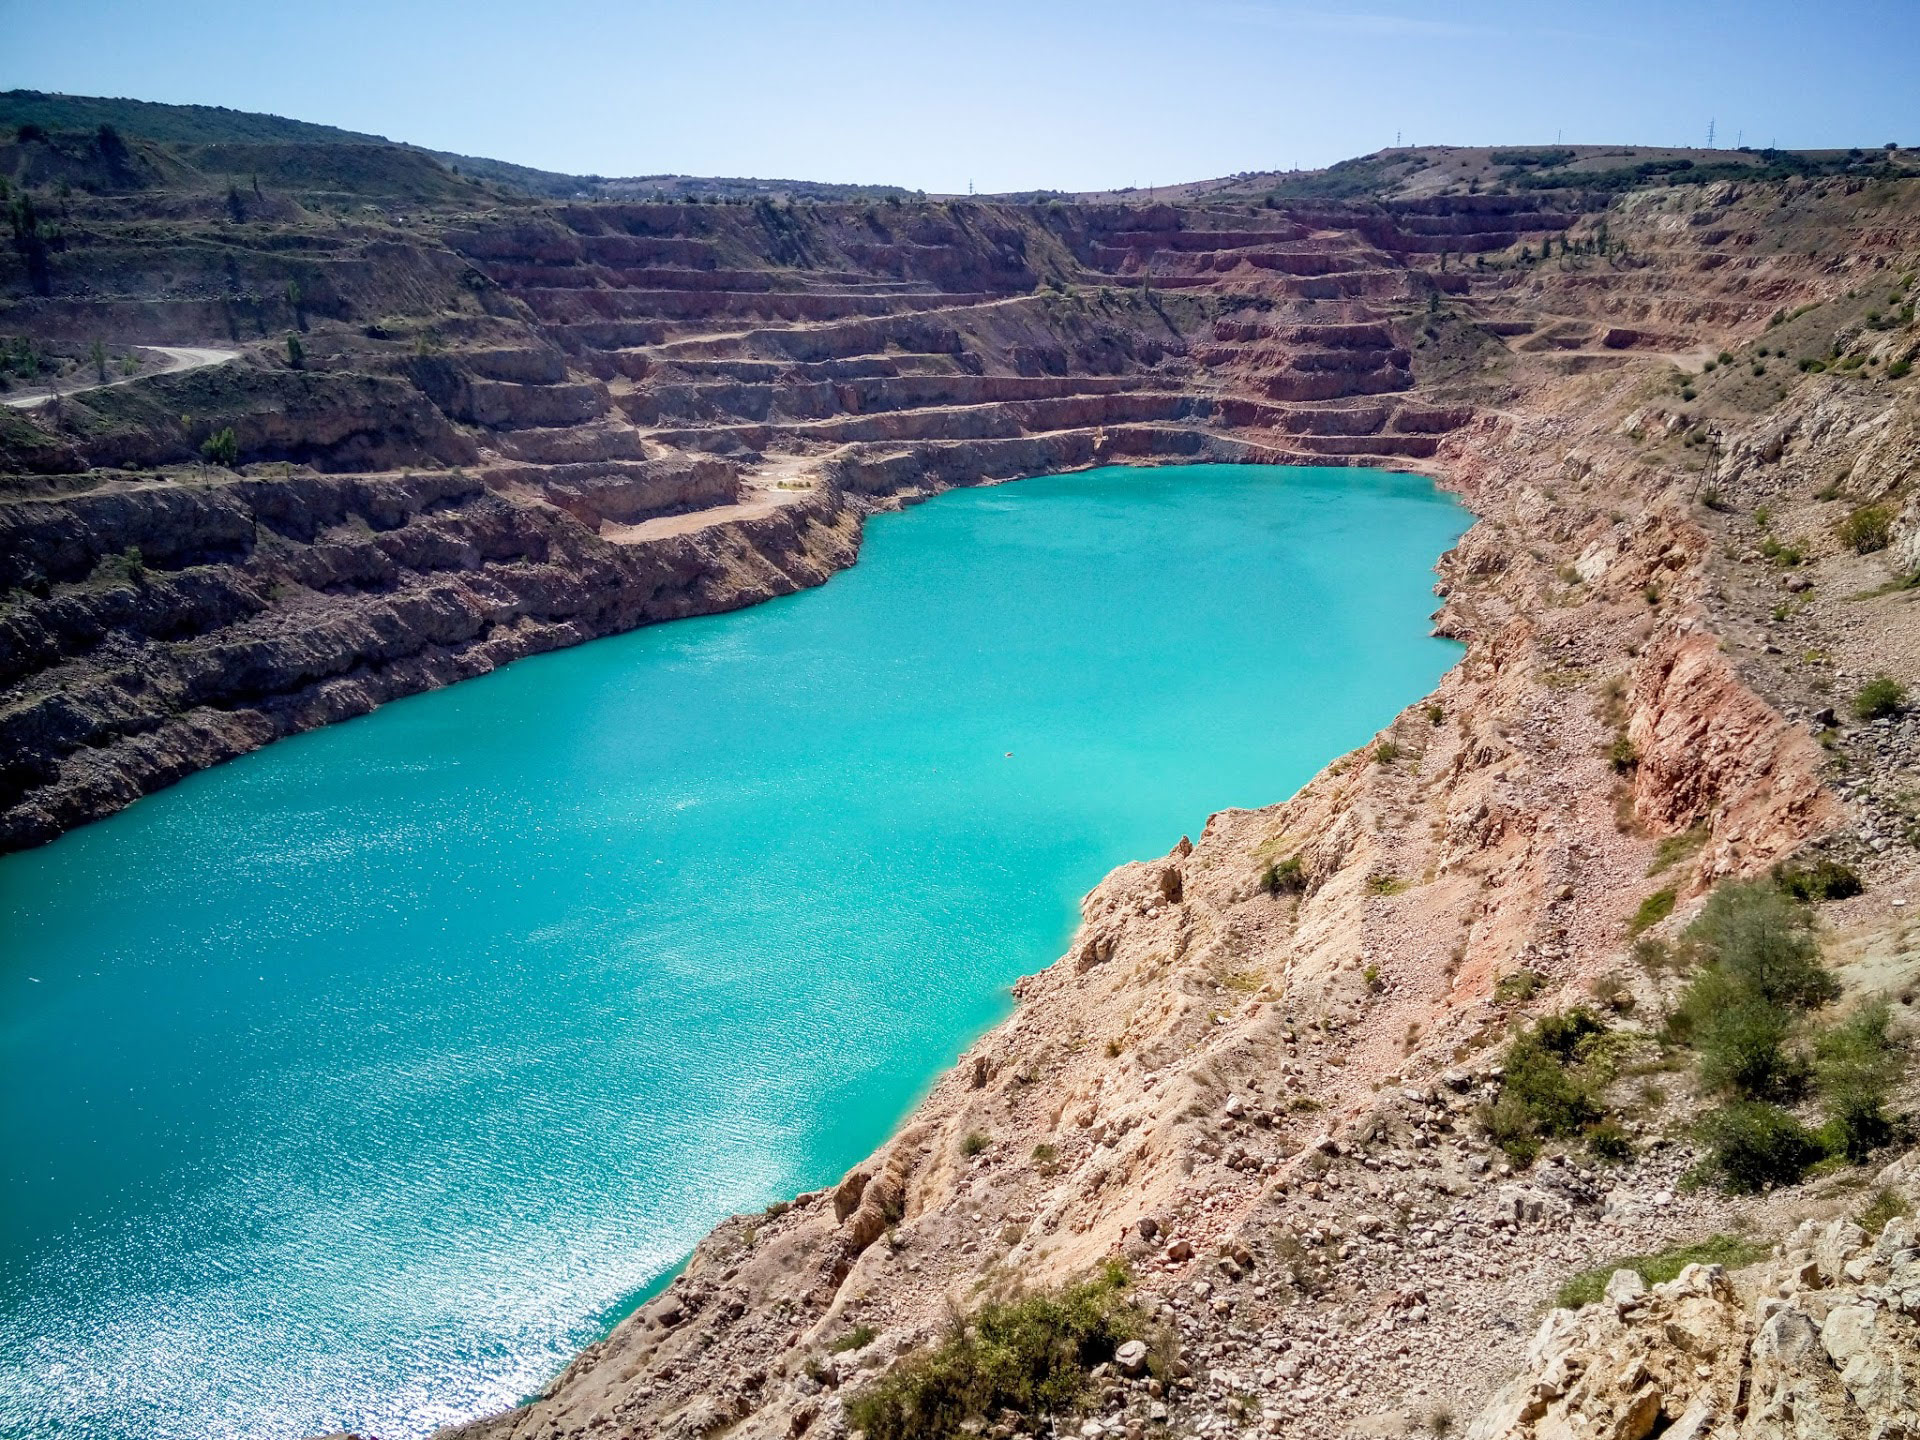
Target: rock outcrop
1824, 1342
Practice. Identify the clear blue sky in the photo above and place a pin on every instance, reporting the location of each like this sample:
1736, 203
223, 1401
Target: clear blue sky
1008, 94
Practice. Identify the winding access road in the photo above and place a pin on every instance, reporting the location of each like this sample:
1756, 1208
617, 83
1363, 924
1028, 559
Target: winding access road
178, 357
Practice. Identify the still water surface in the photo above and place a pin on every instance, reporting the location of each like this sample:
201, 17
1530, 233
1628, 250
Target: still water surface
357, 1083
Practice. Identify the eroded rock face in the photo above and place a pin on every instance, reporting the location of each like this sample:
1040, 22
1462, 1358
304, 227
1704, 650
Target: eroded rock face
288, 604
1824, 1342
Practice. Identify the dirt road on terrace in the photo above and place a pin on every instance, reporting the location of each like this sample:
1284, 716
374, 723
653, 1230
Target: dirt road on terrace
178, 357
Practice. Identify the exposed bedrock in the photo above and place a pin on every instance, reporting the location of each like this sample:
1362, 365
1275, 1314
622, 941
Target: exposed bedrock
264, 607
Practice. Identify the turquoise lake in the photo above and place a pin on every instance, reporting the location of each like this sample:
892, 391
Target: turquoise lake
357, 1083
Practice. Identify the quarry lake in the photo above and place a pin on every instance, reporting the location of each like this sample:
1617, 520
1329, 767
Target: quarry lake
357, 1083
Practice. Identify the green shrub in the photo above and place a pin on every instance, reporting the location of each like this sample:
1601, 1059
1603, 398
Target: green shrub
1285, 877
1857, 1065
1031, 1356
1622, 754
1752, 1145
974, 1143
1742, 1039
1867, 529
1549, 1088
221, 447
1764, 939
1656, 1269
1880, 697
129, 565
1386, 752
1609, 1140
1517, 988
857, 1338
1825, 879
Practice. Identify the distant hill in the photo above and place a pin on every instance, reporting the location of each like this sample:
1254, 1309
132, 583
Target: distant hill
188, 131
1425, 171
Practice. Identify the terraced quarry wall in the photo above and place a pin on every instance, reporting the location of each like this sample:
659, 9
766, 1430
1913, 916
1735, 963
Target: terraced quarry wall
507, 431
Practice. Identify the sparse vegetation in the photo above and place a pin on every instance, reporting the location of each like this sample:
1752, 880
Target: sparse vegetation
1655, 908
1867, 529
974, 1143
1880, 697
1030, 1356
857, 1338
1886, 1205
1672, 849
1731, 1251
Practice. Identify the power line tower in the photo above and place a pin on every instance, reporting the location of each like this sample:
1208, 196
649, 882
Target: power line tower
1709, 134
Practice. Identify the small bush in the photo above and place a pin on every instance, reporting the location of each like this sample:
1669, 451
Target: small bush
1867, 529
1386, 752
221, 447
1764, 938
1517, 988
1548, 1090
1857, 1065
1823, 880
1285, 877
1660, 1267
1752, 1145
1880, 697
1655, 908
974, 1143
1622, 755
1031, 1356
128, 565
1608, 1139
